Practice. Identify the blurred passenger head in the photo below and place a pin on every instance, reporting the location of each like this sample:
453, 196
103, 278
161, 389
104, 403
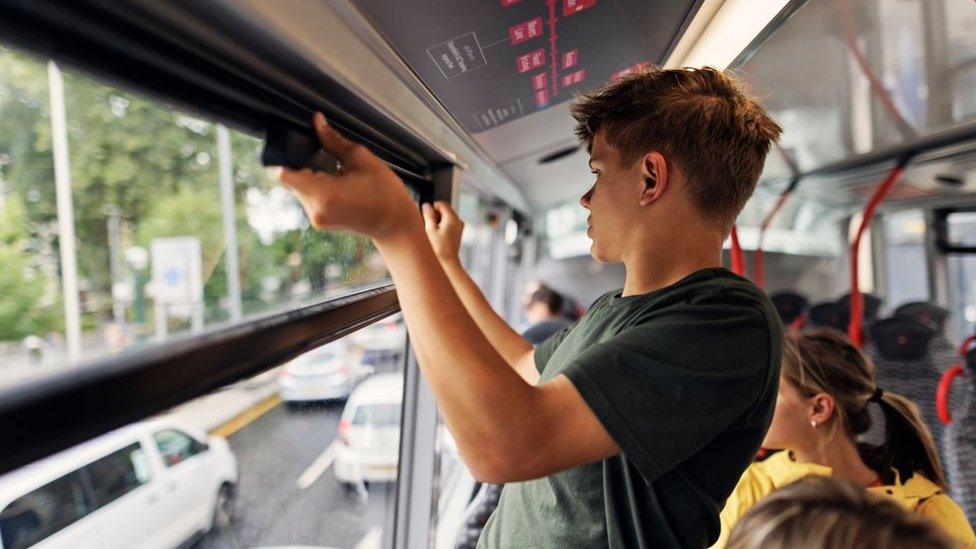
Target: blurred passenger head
670, 148
819, 512
827, 385
543, 303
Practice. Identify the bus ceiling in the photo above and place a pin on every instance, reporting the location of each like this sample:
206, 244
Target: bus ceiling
890, 81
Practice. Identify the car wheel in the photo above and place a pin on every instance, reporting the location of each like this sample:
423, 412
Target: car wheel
223, 515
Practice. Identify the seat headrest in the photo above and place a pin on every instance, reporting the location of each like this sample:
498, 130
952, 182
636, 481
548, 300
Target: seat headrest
926, 312
872, 305
901, 338
829, 315
789, 305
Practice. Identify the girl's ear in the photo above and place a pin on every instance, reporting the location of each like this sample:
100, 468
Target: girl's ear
821, 408
654, 172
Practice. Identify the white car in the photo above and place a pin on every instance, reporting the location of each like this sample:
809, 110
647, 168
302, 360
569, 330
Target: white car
327, 372
153, 484
381, 345
369, 432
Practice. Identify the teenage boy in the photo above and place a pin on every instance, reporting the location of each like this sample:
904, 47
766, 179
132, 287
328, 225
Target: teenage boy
632, 427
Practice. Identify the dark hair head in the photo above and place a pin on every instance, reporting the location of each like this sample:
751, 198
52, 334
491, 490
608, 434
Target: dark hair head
548, 297
825, 361
699, 119
820, 512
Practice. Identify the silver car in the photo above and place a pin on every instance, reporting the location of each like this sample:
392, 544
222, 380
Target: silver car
328, 372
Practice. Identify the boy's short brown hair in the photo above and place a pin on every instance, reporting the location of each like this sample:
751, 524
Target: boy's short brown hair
700, 119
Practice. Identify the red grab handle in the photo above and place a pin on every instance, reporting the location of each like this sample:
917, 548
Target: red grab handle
738, 258
945, 384
942, 394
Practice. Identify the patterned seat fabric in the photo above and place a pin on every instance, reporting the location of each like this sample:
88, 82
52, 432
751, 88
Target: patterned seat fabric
902, 354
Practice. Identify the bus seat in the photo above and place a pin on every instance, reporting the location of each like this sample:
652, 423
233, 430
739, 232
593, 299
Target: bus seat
902, 338
872, 305
828, 315
900, 349
929, 313
959, 439
789, 305
943, 351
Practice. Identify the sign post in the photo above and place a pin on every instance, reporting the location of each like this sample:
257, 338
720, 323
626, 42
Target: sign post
177, 281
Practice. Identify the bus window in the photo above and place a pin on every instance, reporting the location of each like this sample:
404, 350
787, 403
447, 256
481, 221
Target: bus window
961, 228
904, 257
304, 454
176, 227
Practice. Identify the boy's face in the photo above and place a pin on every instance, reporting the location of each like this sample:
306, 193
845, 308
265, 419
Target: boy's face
613, 201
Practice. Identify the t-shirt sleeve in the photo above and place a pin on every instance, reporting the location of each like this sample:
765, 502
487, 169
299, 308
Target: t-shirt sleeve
668, 386
543, 351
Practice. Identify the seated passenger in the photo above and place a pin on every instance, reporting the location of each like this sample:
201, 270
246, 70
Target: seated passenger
544, 312
826, 388
822, 513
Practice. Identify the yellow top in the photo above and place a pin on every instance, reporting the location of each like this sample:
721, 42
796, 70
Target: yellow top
918, 494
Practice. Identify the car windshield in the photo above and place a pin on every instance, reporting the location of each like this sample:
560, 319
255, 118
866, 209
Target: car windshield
381, 415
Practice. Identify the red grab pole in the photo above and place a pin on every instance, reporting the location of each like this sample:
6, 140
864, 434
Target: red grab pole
942, 393
738, 259
857, 300
758, 274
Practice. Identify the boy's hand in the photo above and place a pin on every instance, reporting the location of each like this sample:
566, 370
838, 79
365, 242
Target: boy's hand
365, 197
444, 229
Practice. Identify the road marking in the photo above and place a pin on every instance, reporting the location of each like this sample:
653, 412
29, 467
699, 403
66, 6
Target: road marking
242, 419
372, 539
319, 466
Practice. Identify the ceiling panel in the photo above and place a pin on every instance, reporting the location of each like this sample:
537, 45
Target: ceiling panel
495, 62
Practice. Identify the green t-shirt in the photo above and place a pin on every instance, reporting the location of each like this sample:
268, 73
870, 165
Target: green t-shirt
684, 379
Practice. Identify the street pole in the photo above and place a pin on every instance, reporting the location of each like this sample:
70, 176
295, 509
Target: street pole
114, 215
65, 208
232, 263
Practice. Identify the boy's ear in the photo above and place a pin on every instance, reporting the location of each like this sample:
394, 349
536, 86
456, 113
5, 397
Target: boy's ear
654, 171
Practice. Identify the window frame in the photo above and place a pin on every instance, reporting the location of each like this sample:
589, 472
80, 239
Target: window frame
140, 382
941, 226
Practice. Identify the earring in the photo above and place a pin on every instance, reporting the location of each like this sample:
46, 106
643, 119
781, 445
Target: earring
813, 423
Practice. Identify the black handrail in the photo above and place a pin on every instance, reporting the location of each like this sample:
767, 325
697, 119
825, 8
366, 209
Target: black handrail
41, 417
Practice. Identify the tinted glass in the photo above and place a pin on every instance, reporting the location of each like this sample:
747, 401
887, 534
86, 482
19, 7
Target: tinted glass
919, 53
904, 257
961, 229
277, 450
46, 510
177, 227
175, 446
117, 474
377, 415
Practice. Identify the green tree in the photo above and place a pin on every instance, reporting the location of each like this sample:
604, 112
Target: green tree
27, 306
